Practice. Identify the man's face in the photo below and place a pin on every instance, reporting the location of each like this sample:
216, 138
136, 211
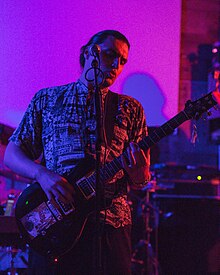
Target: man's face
113, 57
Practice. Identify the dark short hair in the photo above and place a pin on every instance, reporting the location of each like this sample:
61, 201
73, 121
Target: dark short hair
99, 38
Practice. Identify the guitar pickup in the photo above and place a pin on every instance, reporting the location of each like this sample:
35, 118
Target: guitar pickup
86, 188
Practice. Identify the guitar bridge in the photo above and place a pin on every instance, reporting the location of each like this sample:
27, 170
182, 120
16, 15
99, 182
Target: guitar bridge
65, 207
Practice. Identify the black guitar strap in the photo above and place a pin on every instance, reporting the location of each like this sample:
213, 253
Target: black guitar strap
111, 107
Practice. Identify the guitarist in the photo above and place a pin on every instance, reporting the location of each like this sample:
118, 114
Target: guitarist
58, 130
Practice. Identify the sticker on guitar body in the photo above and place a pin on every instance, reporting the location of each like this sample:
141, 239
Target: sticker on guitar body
40, 219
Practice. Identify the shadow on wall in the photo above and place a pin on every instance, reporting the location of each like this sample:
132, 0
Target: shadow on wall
146, 90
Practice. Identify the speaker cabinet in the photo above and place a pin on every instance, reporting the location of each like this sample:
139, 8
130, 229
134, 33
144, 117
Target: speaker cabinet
188, 241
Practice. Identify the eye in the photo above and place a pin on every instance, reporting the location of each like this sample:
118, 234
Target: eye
110, 54
123, 61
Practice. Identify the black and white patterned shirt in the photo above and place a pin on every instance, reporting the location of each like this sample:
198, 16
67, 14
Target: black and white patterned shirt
59, 127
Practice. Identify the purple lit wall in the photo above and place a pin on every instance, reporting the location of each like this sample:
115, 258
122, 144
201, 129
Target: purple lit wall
40, 42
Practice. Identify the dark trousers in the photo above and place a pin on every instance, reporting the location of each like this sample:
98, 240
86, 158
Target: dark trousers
115, 255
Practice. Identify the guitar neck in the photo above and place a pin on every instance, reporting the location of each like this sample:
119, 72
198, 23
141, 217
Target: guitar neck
163, 131
193, 109
111, 168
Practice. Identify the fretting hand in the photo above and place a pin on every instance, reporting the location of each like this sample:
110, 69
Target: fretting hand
139, 164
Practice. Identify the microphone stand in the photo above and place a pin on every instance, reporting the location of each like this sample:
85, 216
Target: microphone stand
99, 186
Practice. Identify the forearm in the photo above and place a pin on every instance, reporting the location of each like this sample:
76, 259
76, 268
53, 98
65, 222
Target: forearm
53, 184
16, 159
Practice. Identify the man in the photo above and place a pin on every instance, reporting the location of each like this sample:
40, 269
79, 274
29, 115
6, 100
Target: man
59, 128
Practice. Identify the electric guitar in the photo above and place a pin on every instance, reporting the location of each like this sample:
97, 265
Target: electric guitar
52, 227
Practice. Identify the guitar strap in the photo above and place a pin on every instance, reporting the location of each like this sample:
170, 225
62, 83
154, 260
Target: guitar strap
110, 107
110, 110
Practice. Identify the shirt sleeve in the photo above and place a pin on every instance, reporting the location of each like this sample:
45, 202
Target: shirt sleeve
139, 127
139, 131
28, 133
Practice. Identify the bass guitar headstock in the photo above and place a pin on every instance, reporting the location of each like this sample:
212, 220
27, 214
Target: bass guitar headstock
195, 109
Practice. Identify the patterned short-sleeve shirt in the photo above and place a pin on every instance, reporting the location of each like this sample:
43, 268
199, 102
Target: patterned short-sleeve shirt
59, 128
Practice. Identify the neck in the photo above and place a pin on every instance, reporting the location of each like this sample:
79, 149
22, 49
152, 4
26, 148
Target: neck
89, 85
85, 82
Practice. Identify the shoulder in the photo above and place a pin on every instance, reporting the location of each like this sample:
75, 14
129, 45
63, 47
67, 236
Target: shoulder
49, 95
130, 101
53, 91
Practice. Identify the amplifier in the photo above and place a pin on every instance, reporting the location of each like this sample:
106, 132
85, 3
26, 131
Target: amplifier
9, 233
177, 188
187, 182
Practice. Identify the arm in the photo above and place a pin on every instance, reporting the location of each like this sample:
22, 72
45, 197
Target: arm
53, 184
138, 164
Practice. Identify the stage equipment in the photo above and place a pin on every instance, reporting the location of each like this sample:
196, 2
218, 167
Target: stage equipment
189, 217
13, 251
145, 216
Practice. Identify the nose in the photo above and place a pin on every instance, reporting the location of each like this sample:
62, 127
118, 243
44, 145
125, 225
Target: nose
115, 63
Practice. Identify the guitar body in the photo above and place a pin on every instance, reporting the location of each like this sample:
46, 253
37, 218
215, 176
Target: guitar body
53, 240
50, 227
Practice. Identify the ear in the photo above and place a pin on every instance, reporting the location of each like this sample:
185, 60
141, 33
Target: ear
86, 53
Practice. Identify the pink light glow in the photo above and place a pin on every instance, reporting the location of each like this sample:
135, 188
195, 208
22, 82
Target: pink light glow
40, 42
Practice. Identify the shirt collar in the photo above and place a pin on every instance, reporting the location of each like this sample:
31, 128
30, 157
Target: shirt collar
83, 89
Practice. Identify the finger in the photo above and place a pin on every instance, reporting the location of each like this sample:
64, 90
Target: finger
49, 195
145, 158
134, 147
124, 163
131, 158
141, 158
59, 193
56, 193
136, 151
65, 194
139, 155
67, 186
53, 194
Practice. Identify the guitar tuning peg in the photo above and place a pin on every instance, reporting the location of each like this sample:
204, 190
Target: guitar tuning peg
197, 116
209, 113
188, 102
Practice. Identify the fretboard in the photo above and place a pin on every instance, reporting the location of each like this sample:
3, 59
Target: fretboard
111, 168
